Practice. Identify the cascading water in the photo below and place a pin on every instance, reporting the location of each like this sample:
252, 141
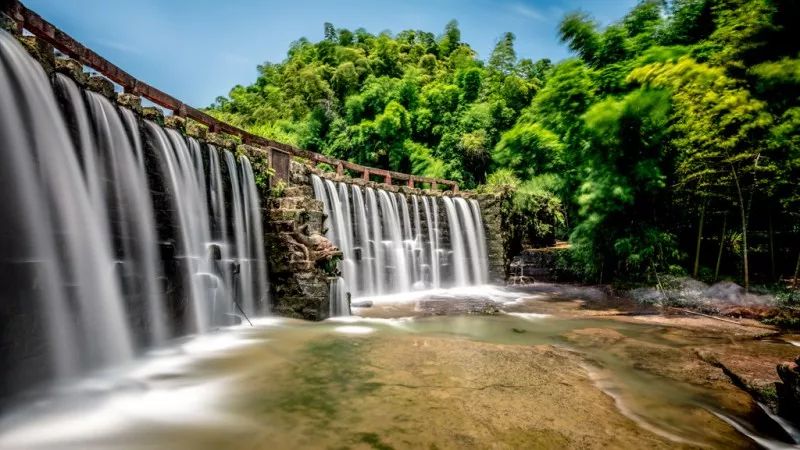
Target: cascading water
339, 306
116, 235
58, 265
394, 243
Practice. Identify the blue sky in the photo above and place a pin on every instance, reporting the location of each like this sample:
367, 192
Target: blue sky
196, 50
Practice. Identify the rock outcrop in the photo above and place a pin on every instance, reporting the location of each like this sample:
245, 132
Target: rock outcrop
788, 390
301, 258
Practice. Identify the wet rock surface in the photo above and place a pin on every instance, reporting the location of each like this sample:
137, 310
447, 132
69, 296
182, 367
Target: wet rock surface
788, 390
546, 371
724, 297
736, 359
301, 258
447, 306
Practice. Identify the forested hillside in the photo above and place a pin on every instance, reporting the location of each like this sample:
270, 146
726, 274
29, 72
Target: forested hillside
669, 143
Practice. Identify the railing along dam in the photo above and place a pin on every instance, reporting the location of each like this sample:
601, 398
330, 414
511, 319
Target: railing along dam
279, 153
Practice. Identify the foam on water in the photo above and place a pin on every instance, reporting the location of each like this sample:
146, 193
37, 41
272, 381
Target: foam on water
354, 329
489, 292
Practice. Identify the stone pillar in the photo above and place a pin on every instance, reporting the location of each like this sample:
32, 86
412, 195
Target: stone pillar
301, 259
497, 236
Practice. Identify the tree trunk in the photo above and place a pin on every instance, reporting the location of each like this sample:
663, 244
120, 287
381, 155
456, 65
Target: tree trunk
743, 213
721, 245
699, 240
771, 246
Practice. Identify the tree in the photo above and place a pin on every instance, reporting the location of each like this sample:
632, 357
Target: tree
720, 130
580, 33
679, 119
451, 38
330, 32
528, 150
504, 58
625, 182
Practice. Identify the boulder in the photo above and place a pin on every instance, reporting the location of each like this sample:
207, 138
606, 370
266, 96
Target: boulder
788, 390
130, 101
101, 85
72, 69
175, 122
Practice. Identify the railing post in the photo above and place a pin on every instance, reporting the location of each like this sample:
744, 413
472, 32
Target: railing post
411, 182
388, 179
434, 186
366, 175
455, 187
281, 164
339, 169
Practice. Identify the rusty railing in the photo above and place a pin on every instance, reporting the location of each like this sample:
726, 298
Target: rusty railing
36, 25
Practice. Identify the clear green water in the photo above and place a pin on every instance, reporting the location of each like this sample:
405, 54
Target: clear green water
499, 381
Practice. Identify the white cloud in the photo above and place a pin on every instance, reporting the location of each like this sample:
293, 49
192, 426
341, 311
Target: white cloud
528, 12
119, 46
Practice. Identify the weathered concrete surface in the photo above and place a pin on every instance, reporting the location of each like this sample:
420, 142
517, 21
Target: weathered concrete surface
497, 236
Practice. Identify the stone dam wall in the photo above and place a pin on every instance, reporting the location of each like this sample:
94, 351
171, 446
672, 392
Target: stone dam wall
301, 260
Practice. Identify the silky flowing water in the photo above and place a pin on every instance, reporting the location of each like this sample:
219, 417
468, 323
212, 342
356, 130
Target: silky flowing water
516, 379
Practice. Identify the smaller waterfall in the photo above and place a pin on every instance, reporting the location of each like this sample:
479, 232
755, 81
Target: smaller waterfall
378, 263
339, 305
458, 254
257, 261
366, 260
186, 185
392, 243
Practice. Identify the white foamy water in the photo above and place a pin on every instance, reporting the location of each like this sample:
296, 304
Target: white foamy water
487, 292
528, 316
148, 391
354, 329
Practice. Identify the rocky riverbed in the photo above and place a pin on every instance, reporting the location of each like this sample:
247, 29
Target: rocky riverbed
552, 367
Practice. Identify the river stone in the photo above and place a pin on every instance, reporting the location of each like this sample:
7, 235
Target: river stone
153, 113
788, 390
101, 85
41, 51
362, 304
175, 122
130, 101
221, 140
8, 24
196, 129
72, 69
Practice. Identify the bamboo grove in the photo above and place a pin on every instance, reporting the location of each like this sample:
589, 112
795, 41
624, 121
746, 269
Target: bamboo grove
670, 142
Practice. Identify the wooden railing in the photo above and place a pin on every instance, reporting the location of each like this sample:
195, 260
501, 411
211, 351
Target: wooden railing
36, 25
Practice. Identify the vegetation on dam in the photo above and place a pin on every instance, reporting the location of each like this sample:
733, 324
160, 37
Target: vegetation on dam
670, 142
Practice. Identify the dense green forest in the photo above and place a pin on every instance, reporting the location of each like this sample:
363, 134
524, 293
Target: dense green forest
670, 142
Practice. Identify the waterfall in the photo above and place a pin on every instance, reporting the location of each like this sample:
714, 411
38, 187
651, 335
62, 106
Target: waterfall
458, 256
57, 259
366, 260
431, 222
378, 263
339, 306
117, 234
391, 242
257, 261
